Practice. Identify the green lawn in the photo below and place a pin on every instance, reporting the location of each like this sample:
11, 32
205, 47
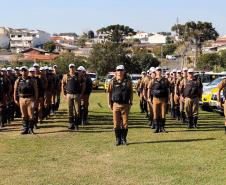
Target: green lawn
88, 157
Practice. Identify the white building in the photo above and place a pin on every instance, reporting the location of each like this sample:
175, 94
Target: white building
140, 35
4, 38
23, 38
157, 39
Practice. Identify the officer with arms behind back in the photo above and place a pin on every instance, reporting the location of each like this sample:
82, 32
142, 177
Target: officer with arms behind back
159, 89
73, 87
192, 94
120, 99
28, 96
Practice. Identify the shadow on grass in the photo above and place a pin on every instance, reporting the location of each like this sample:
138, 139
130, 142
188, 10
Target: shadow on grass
171, 141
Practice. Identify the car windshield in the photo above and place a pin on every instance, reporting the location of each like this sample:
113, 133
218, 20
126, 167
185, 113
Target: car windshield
92, 75
134, 78
110, 76
215, 82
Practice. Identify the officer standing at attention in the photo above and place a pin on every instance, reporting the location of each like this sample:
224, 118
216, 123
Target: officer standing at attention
85, 98
28, 95
120, 100
159, 89
73, 87
222, 86
192, 94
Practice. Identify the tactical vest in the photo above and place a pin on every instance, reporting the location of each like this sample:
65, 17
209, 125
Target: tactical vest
159, 89
41, 88
121, 92
191, 89
25, 87
73, 85
89, 85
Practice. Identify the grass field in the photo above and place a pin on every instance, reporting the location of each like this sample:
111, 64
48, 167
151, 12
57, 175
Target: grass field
88, 157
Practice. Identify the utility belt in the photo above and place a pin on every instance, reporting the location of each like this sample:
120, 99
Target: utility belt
26, 95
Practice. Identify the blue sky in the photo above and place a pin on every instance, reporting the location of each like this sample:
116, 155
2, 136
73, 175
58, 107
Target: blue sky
82, 15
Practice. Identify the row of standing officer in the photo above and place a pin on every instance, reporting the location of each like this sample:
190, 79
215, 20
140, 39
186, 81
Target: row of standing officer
180, 92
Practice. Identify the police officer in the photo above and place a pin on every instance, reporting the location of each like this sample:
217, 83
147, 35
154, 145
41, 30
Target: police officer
159, 89
73, 87
152, 75
120, 100
5, 109
28, 96
222, 86
85, 98
57, 91
42, 88
139, 88
172, 82
192, 94
182, 82
4, 92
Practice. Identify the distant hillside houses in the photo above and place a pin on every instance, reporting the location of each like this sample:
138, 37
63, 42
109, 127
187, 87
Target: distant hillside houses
18, 40
149, 38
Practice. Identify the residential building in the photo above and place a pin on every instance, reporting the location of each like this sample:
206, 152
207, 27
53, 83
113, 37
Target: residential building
21, 39
157, 39
4, 38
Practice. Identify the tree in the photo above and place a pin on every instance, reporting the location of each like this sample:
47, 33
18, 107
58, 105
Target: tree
142, 60
210, 61
67, 58
163, 50
90, 34
196, 33
49, 46
82, 42
105, 57
116, 33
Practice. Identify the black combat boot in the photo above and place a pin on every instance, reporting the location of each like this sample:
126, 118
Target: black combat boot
25, 127
118, 137
184, 119
82, 114
150, 121
225, 129
177, 113
162, 125
86, 116
77, 121
124, 136
153, 126
190, 122
71, 123
195, 122
157, 127
141, 107
31, 127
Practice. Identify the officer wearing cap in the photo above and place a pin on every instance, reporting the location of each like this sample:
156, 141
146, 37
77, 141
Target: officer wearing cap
85, 98
73, 87
192, 94
159, 89
120, 100
222, 87
28, 95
